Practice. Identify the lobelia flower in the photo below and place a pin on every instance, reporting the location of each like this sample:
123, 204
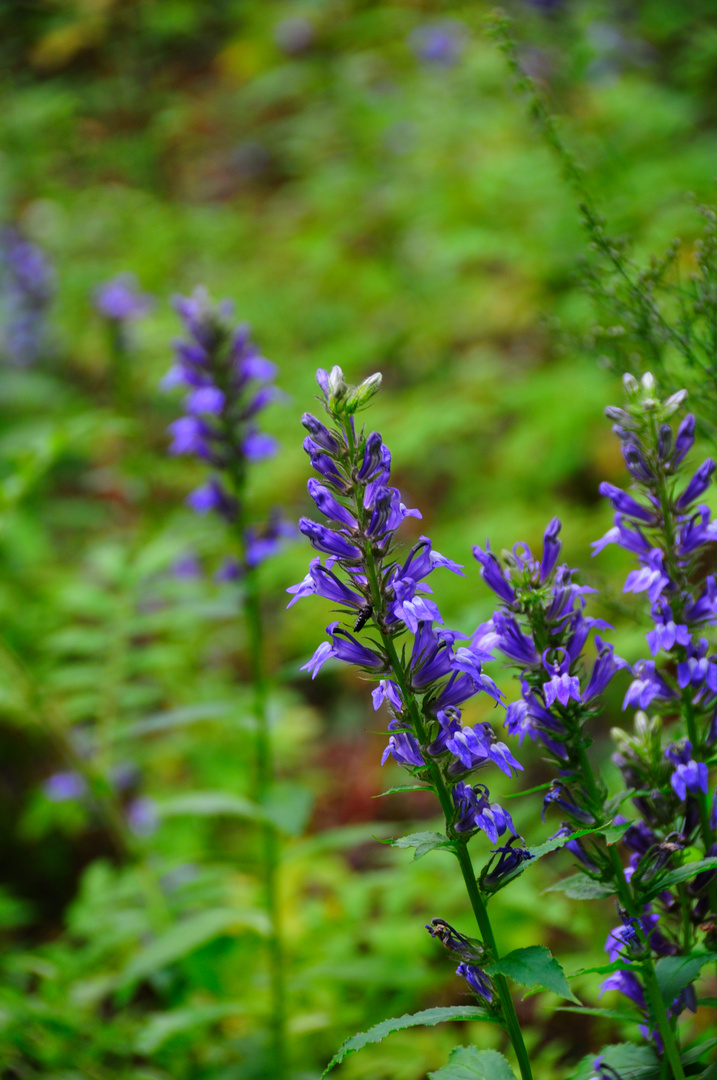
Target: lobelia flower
541, 602
27, 285
228, 383
386, 599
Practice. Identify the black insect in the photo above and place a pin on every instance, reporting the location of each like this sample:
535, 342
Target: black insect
363, 617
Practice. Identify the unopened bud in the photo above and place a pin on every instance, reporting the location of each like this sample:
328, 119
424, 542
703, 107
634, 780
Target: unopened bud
648, 383
630, 383
362, 394
673, 402
337, 387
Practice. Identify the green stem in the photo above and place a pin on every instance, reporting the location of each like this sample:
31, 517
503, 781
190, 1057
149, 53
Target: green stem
461, 851
624, 892
264, 777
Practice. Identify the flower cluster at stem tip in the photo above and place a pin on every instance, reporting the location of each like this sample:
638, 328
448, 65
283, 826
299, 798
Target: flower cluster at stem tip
394, 632
228, 384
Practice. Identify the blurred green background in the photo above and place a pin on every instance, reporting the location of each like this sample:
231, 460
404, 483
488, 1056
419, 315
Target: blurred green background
361, 179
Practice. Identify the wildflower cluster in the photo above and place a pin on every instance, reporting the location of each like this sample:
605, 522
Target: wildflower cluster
229, 382
27, 285
423, 674
363, 513
542, 629
670, 531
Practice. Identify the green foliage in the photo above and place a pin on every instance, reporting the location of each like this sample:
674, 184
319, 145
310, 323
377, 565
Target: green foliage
468, 1063
427, 1017
536, 968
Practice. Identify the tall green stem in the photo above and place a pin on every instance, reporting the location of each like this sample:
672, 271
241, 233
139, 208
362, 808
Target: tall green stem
646, 963
461, 851
264, 777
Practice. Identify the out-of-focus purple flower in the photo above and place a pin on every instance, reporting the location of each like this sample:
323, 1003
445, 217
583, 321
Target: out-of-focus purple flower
65, 787
294, 35
187, 566
27, 285
120, 299
439, 43
143, 816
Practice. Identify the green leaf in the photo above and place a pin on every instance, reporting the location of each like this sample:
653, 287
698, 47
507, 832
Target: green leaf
183, 937
288, 806
211, 804
401, 787
631, 1061
602, 969
582, 887
536, 968
423, 842
468, 1063
629, 1015
674, 877
428, 1017
710, 1073
674, 973
693, 1055
161, 1027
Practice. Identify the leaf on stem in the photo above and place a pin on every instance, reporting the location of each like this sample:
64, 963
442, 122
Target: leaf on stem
468, 1063
631, 1061
674, 973
675, 877
582, 887
423, 842
536, 968
427, 1017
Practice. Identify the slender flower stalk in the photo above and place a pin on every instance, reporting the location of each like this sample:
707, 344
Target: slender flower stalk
422, 676
541, 628
229, 382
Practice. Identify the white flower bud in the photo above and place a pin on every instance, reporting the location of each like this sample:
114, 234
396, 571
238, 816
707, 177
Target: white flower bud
337, 387
630, 383
648, 383
673, 402
362, 394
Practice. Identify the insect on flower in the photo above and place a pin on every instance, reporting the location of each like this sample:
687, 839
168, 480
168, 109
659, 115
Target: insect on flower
364, 615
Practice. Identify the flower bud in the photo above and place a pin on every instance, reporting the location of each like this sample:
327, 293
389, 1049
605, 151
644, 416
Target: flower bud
648, 383
337, 388
673, 402
362, 394
630, 383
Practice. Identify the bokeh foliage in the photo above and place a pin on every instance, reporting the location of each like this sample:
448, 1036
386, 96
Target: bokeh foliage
366, 207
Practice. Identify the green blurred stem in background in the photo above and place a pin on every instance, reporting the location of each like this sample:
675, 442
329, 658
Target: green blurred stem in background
264, 778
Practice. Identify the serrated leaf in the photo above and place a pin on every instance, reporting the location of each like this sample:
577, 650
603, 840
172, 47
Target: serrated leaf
183, 937
536, 968
211, 804
423, 842
674, 973
631, 1061
675, 877
427, 1017
400, 788
469, 1063
582, 887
